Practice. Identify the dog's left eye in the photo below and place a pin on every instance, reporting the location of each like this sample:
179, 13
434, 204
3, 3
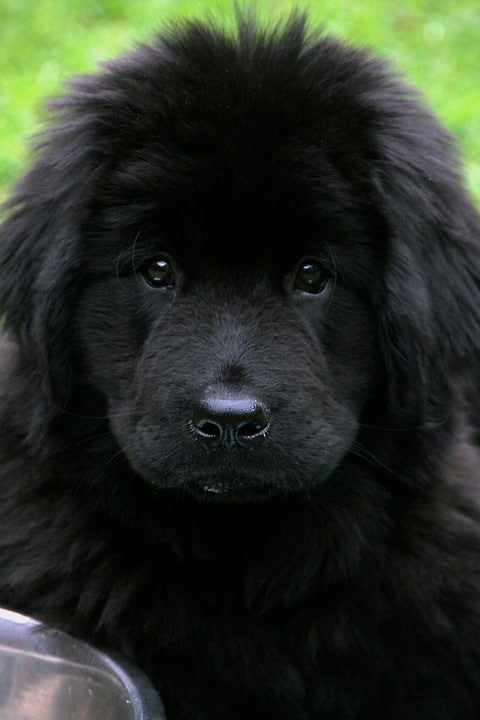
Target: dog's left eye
159, 273
311, 277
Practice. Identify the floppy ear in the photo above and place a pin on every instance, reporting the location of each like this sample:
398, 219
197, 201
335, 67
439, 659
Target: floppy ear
429, 300
39, 246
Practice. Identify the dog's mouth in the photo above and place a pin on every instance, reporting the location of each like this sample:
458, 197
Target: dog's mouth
229, 490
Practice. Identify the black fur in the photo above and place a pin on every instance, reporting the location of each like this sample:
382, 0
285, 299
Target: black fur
332, 572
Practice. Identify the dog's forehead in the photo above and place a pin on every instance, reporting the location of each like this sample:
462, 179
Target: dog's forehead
210, 213
229, 207
229, 176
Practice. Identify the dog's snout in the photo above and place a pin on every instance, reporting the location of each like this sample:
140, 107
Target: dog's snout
230, 420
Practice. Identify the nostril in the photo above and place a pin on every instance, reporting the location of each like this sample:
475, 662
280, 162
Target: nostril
248, 429
230, 420
208, 429
255, 424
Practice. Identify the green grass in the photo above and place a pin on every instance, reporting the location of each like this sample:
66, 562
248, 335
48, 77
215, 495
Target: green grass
436, 43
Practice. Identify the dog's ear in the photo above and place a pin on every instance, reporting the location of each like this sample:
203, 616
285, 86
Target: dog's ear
40, 261
428, 304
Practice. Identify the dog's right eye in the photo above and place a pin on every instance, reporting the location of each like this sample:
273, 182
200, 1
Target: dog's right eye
159, 273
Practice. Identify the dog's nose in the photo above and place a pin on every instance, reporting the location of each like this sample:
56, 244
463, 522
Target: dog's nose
230, 420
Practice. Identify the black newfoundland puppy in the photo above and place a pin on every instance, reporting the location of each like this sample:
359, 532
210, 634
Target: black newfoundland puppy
240, 388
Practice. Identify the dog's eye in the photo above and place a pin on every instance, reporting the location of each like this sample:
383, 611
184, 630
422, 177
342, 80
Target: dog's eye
311, 277
159, 273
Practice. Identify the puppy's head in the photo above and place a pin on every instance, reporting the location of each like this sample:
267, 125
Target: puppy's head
241, 248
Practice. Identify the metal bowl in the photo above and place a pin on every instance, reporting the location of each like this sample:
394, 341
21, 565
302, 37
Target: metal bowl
46, 674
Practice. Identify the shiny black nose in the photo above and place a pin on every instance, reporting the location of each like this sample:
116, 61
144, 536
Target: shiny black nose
230, 420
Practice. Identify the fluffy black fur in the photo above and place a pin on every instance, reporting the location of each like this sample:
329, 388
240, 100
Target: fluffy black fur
327, 566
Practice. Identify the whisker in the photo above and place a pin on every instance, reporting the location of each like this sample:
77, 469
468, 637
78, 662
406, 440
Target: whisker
335, 273
360, 451
132, 254
84, 416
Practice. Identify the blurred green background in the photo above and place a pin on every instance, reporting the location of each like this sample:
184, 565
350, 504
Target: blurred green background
435, 42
